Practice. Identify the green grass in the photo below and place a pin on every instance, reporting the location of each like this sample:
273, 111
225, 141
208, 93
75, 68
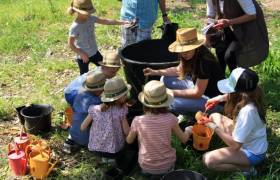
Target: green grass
30, 28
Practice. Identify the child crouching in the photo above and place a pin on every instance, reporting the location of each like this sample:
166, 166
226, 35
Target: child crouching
109, 124
154, 128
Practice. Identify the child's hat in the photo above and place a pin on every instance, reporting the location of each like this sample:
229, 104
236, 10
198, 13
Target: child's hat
187, 39
83, 6
94, 81
240, 80
114, 89
111, 59
155, 95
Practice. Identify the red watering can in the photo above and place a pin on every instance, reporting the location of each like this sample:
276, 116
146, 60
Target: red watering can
22, 141
17, 160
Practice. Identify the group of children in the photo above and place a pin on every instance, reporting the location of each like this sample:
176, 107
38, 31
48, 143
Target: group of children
104, 118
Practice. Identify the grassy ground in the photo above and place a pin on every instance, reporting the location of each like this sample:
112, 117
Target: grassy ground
35, 66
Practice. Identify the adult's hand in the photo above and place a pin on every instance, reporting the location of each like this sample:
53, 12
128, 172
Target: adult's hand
221, 23
150, 72
166, 20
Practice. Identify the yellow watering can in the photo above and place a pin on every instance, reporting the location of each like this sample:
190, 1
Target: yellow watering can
39, 162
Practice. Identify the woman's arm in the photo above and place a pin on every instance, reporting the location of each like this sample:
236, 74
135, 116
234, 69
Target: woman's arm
162, 6
105, 21
196, 92
172, 71
131, 137
239, 20
125, 127
86, 123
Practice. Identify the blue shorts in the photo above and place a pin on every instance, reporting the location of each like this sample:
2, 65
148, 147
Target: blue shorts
254, 159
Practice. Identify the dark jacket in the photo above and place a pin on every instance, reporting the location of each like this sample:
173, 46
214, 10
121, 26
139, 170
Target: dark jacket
252, 36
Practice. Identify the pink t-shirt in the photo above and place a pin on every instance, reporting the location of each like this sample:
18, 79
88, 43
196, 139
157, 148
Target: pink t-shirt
154, 137
106, 133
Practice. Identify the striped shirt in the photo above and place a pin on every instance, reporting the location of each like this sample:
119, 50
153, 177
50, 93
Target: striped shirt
154, 136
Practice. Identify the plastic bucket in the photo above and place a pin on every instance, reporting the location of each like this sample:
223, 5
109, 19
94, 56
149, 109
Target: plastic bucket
202, 136
37, 118
136, 57
183, 175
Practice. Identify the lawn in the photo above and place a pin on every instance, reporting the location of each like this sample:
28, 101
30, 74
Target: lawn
36, 65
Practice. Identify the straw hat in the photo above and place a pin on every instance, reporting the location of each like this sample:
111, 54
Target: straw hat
83, 6
187, 39
114, 88
111, 59
155, 95
94, 81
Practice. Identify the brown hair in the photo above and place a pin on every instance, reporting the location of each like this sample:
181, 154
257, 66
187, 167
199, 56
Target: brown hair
238, 100
106, 105
192, 67
161, 110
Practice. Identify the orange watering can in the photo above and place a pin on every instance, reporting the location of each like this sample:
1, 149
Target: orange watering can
22, 141
202, 136
39, 163
38, 145
68, 113
17, 160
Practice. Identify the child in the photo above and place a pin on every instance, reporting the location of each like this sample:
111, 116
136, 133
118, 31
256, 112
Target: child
109, 124
89, 94
153, 129
243, 128
82, 33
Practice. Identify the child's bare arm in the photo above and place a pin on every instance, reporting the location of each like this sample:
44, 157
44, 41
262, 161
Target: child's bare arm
131, 137
72, 46
86, 123
125, 126
106, 21
183, 137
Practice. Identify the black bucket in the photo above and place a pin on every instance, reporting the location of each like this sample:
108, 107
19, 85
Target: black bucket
21, 118
37, 118
136, 57
183, 175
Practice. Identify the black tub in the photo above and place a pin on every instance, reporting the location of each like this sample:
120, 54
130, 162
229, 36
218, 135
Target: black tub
138, 56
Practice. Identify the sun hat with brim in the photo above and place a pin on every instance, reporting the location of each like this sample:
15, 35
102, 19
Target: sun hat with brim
83, 6
240, 80
114, 89
187, 39
111, 59
155, 95
94, 81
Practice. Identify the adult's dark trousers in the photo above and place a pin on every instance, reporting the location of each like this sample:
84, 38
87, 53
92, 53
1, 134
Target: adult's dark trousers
93, 59
225, 50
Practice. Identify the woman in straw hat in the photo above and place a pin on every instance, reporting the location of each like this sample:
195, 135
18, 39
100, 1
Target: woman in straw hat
109, 124
153, 130
82, 38
194, 80
87, 95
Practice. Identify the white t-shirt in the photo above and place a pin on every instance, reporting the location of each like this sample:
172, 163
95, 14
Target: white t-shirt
250, 130
247, 6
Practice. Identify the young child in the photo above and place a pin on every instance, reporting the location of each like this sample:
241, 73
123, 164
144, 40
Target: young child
82, 38
89, 94
154, 128
109, 124
243, 128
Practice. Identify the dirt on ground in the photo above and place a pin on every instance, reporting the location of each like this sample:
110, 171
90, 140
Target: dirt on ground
271, 4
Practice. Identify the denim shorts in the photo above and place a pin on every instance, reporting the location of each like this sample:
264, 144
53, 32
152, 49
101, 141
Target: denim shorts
254, 159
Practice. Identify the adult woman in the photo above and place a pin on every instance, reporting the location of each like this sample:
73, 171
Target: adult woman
194, 80
245, 41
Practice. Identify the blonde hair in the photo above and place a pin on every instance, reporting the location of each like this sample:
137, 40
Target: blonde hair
238, 100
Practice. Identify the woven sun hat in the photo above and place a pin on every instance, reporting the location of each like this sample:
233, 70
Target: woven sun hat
187, 39
111, 59
155, 95
83, 6
240, 80
94, 81
114, 89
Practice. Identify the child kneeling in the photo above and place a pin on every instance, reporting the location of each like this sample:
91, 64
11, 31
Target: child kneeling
154, 128
109, 124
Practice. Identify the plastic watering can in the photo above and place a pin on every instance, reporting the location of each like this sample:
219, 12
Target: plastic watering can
38, 145
202, 136
17, 160
39, 163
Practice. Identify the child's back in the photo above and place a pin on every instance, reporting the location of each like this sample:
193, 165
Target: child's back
154, 134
